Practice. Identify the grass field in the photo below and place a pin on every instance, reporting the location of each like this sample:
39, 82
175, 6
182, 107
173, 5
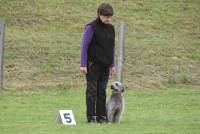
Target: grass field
42, 55
169, 111
43, 42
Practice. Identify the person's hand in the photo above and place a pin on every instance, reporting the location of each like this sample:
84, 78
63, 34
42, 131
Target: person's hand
83, 70
112, 70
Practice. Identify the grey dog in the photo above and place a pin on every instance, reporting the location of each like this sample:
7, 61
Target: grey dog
115, 104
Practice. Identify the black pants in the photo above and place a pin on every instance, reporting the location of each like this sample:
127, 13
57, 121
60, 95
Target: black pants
97, 79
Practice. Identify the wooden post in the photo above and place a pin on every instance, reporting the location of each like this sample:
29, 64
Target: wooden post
2, 32
120, 55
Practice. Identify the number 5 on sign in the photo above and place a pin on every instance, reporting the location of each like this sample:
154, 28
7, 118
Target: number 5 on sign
66, 117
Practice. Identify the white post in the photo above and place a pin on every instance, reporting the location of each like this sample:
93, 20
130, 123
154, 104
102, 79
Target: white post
120, 55
2, 24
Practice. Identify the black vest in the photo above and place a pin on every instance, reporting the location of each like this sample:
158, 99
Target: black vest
101, 48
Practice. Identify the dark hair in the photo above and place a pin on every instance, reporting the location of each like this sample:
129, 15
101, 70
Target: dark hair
105, 9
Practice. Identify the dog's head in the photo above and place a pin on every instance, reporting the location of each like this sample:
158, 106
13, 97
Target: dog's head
117, 87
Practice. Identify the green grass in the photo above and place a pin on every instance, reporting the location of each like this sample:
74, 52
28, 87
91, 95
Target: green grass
42, 54
43, 42
169, 111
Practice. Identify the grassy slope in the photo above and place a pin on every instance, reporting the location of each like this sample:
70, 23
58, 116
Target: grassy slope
42, 51
43, 42
172, 111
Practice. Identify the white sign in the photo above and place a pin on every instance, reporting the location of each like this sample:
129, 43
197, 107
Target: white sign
66, 117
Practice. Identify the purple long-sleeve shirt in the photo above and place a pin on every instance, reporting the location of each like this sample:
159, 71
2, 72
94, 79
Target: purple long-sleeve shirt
87, 38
